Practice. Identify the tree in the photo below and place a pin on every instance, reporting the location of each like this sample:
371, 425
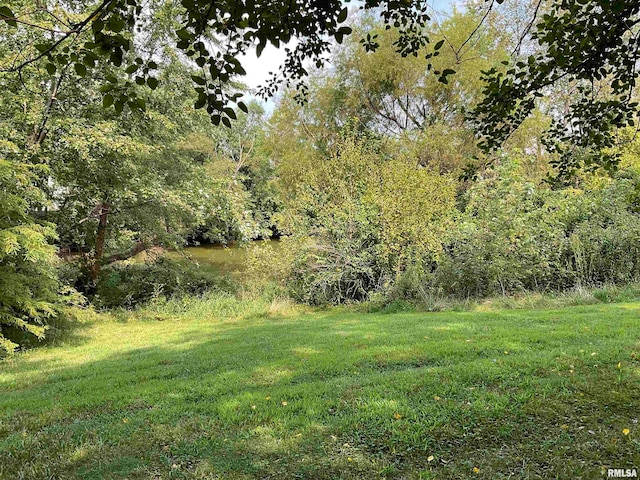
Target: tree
123, 183
593, 45
28, 285
213, 34
400, 99
237, 175
29, 290
112, 181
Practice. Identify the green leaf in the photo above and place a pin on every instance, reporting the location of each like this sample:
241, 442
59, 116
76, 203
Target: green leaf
97, 26
183, 34
107, 101
8, 16
201, 102
116, 24
89, 61
438, 45
342, 16
260, 47
153, 83
198, 80
42, 47
80, 69
142, 105
51, 68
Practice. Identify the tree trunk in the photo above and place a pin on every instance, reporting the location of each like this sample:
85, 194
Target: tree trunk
137, 248
101, 235
40, 131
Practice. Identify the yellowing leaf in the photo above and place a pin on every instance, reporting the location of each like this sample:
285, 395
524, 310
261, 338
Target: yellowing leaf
476, 469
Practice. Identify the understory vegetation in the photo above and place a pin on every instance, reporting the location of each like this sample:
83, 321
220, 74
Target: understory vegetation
508, 234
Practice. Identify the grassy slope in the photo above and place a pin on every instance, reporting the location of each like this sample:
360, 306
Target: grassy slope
508, 394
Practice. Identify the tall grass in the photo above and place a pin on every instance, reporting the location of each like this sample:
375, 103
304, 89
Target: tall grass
427, 301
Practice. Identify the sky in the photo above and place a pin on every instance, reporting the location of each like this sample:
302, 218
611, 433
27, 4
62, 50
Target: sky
258, 68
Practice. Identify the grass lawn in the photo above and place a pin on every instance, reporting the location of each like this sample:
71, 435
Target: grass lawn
196, 393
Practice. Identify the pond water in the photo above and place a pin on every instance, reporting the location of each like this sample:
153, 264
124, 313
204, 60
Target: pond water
229, 259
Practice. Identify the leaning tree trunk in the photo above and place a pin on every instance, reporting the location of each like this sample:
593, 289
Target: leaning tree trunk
101, 235
40, 131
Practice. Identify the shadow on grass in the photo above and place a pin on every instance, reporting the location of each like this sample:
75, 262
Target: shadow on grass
343, 396
66, 331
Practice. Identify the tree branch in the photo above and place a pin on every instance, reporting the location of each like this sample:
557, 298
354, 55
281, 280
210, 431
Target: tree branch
78, 28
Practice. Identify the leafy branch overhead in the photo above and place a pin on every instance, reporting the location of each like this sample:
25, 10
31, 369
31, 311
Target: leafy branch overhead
594, 46
213, 35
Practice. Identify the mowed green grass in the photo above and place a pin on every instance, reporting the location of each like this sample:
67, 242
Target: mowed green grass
200, 393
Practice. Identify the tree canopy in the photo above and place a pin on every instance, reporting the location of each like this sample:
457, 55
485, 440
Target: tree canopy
595, 47
213, 34
592, 44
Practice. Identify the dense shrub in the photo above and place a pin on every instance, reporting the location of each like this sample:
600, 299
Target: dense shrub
511, 236
358, 220
359, 228
340, 264
605, 244
516, 235
131, 284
